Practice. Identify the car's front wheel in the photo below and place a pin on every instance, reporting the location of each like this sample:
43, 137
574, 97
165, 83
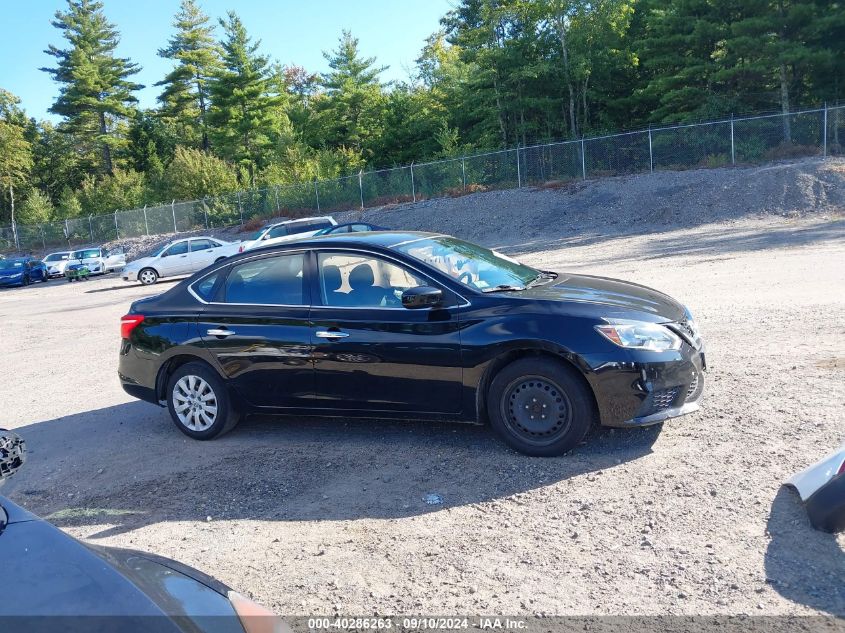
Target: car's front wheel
540, 407
25, 280
148, 276
199, 402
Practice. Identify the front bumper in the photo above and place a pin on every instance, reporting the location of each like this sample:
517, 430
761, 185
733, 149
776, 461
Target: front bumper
129, 275
11, 281
650, 388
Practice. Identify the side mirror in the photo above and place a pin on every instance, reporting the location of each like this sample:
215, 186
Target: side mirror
422, 297
12, 454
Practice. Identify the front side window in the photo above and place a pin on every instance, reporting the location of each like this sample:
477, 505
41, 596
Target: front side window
277, 231
472, 265
363, 281
179, 248
276, 280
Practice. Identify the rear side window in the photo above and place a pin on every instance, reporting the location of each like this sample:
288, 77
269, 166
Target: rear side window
276, 280
205, 287
304, 227
202, 245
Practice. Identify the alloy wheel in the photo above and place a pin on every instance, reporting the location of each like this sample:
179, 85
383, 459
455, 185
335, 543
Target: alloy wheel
195, 403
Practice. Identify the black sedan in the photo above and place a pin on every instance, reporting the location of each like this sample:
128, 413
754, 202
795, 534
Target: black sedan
412, 325
52, 582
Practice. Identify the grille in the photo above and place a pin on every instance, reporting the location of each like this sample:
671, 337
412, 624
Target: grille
664, 398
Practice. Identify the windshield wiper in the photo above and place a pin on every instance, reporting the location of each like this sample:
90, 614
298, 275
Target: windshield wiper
542, 276
503, 288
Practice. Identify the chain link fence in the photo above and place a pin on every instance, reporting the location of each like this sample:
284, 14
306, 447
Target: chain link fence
740, 141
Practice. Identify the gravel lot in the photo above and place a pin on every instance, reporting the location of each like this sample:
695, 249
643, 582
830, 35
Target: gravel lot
313, 515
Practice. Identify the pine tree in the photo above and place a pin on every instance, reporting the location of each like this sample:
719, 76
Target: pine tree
15, 149
241, 118
351, 111
95, 93
185, 96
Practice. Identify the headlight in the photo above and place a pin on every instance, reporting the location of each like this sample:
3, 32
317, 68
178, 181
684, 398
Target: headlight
640, 335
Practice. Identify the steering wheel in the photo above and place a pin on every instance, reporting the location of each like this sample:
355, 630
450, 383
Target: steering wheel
466, 278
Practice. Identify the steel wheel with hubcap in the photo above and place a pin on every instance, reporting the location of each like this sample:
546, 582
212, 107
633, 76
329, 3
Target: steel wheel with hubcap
148, 276
540, 406
199, 402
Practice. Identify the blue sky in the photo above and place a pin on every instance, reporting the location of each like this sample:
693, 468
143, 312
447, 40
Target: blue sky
294, 32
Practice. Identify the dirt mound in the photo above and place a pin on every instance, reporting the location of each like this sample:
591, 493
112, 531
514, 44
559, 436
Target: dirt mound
658, 202
644, 203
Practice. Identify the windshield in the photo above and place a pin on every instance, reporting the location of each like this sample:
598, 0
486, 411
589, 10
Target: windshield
474, 266
87, 253
11, 264
158, 251
56, 257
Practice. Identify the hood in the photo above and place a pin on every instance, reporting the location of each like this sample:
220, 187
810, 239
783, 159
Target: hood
74, 579
11, 272
613, 293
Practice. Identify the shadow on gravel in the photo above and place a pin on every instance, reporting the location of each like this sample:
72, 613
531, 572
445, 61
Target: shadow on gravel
722, 240
129, 286
127, 466
803, 564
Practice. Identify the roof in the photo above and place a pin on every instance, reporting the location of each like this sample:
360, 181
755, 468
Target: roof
385, 239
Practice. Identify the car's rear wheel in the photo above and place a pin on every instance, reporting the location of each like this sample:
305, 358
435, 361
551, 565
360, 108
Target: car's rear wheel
148, 276
199, 402
540, 407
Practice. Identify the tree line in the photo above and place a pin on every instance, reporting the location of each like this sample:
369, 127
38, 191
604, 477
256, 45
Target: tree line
496, 73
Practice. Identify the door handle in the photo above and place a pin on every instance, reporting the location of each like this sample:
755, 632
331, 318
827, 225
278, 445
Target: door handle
331, 334
219, 332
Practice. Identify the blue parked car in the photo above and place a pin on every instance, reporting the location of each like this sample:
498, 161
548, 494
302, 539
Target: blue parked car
22, 271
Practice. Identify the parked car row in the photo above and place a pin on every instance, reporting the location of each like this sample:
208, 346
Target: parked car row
188, 255
177, 257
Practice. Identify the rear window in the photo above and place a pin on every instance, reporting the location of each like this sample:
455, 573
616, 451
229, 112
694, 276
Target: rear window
271, 280
205, 287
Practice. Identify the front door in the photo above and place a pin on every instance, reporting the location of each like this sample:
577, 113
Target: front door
176, 260
256, 325
369, 351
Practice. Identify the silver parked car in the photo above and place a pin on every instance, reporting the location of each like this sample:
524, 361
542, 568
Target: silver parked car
179, 257
56, 263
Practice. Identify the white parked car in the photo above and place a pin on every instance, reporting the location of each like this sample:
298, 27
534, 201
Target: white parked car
56, 263
99, 259
287, 231
822, 489
179, 257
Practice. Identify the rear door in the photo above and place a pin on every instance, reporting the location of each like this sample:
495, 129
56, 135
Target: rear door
369, 351
255, 323
202, 253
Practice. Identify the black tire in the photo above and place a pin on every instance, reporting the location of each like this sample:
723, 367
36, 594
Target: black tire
25, 280
540, 407
148, 274
227, 417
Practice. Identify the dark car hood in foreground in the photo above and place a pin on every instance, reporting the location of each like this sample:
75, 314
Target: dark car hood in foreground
614, 293
45, 572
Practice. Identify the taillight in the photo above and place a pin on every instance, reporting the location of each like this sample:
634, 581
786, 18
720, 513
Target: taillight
241, 249
841, 469
129, 323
